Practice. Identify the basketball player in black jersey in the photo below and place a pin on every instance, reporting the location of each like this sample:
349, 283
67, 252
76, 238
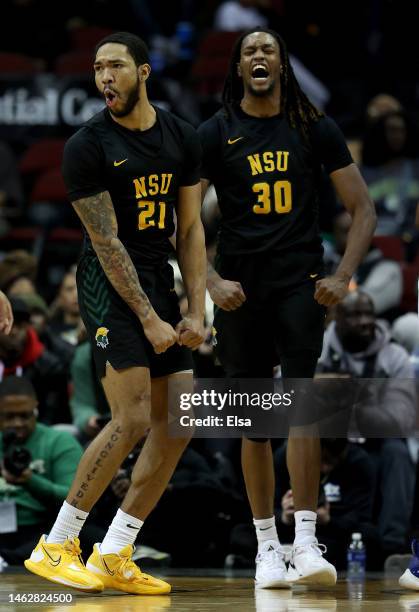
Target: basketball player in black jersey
128, 170
263, 151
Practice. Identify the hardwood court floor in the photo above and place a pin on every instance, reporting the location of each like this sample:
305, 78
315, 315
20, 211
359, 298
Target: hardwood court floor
224, 593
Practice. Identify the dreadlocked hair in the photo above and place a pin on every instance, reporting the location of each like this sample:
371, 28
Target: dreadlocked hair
295, 105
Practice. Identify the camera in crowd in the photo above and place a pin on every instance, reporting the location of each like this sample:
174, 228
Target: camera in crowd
16, 458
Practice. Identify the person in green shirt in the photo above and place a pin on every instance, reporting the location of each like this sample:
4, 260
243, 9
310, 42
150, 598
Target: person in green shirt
37, 466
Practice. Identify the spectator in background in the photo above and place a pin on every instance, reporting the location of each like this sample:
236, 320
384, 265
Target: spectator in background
54, 343
345, 501
35, 480
380, 105
65, 320
377, 107
379, 277
359, 346
405, 331
23, 354
390, 166
18, 270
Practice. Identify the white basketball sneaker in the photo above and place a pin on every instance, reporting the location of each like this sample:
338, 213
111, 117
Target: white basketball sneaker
307, 566
410, 578
271, 571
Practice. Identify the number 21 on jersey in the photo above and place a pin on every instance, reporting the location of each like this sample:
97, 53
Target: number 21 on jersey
148, 209
276, 197
152, 212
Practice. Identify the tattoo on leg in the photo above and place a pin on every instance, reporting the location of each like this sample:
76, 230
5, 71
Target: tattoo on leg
103, 454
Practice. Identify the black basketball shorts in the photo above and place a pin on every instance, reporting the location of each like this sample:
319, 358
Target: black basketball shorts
114, 331
279, 323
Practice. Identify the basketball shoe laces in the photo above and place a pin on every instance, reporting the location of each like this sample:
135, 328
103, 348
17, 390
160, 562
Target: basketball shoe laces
314, 547
127, 568
271, 558
72, 548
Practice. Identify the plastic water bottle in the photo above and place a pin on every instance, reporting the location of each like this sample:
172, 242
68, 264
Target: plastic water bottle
356, 558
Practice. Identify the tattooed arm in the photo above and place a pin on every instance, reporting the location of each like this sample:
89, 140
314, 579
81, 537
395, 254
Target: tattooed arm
98, 217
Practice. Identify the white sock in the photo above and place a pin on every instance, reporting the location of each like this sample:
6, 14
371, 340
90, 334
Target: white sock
265, 530
68, 524
305, 527
122, 531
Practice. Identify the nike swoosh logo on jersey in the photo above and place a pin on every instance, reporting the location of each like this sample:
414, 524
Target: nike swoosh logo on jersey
118, 163
313, 275
53, 561
233, 140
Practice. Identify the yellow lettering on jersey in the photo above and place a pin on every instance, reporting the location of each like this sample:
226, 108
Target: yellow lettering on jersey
282, 198
145, 216
282, 160
153, 184
140, 188
165, 183
268, 161
255, 164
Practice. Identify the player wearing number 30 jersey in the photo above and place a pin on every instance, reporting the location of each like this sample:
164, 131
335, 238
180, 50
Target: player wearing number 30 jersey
263, 151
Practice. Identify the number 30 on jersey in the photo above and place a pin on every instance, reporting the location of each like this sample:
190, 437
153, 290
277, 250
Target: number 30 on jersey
273, 198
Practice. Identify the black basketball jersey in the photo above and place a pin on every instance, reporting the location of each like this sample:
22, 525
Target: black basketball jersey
265, 175
142, 170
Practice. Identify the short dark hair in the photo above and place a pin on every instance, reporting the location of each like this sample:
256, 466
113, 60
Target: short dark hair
135, 45
16, 385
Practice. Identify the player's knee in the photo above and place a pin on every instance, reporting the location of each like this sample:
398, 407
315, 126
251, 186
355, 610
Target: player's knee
133, 415
132, 426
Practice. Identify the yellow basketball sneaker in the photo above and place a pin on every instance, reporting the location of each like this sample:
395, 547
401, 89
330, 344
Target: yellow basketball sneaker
62, 563
118, 571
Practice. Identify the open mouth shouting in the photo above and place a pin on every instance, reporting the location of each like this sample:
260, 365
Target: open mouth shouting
110, 97
260, 73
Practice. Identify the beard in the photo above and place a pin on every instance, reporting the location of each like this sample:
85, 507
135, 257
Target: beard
132, 99
258, 93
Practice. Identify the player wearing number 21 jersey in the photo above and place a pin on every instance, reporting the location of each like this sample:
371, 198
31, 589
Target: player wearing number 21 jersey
128, 171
